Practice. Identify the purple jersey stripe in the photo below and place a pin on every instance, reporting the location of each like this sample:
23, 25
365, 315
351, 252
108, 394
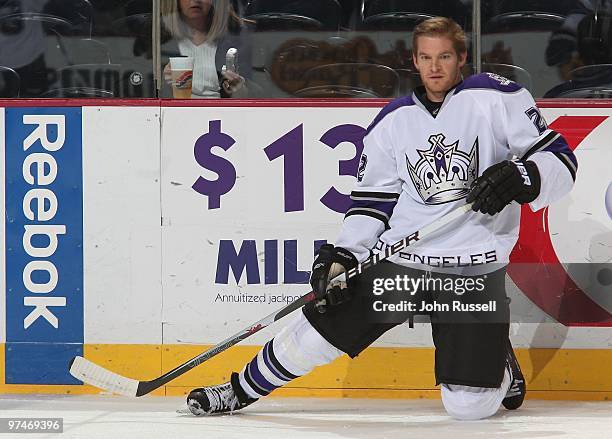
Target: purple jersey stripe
384, 207
490, 81
389, 108
559, 145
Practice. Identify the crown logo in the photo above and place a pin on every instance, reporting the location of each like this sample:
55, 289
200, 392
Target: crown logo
443, 172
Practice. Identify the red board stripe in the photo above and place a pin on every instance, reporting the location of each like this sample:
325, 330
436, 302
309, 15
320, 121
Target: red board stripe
535, 267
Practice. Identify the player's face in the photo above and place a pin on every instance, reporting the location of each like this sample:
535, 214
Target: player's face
439, 65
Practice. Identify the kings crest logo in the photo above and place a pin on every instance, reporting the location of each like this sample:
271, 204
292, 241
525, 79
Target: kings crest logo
443, 173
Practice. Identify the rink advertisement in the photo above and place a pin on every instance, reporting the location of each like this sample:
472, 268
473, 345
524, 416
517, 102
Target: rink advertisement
198, 220
81, 245
246, 207
249, 194
44, 243
246, 203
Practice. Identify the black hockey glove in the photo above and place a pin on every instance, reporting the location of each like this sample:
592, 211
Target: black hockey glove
503, 183
330, 262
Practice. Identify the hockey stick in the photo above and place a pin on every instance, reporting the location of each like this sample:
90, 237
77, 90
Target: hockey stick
91, 373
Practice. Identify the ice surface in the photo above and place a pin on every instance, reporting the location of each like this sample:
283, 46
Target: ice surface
115, 417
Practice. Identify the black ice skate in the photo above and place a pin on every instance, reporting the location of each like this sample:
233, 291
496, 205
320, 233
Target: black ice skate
222, 398
516, 393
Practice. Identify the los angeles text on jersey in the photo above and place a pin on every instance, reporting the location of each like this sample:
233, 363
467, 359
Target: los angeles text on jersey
450, 260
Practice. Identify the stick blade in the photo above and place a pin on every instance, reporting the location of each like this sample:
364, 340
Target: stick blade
91, 373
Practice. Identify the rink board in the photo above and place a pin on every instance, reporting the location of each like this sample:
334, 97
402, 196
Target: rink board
197, 219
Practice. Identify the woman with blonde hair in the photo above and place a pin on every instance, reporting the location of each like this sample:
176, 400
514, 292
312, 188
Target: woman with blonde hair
205, 30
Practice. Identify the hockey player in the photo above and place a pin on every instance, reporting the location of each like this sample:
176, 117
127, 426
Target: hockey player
482, 140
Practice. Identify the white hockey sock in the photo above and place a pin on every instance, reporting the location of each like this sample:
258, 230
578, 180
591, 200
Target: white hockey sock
295, 351
468, 403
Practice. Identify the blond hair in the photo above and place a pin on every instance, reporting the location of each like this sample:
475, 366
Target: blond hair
218, 16
440, 27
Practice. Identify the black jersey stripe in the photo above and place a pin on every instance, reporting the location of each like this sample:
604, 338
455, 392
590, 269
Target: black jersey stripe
371, 213
541, 144
374, 195
568, 163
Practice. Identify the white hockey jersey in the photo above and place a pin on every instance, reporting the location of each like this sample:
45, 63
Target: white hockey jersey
416, 168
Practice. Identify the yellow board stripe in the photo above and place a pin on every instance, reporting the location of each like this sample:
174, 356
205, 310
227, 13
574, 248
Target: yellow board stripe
559, 374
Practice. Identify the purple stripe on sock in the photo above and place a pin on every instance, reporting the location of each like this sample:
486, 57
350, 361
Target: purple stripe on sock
277, 364
269, 365
258, 377
248, 380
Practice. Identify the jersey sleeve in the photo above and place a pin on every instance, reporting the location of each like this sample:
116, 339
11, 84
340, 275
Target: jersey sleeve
529, 138
375, 194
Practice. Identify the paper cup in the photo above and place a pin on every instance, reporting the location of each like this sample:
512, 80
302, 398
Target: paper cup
181, 68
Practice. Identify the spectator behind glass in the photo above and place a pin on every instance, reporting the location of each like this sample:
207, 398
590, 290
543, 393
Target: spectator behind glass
584, 39
206, 30
22, 46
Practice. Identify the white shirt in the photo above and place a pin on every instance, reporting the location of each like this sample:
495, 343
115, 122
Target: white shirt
205, 82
